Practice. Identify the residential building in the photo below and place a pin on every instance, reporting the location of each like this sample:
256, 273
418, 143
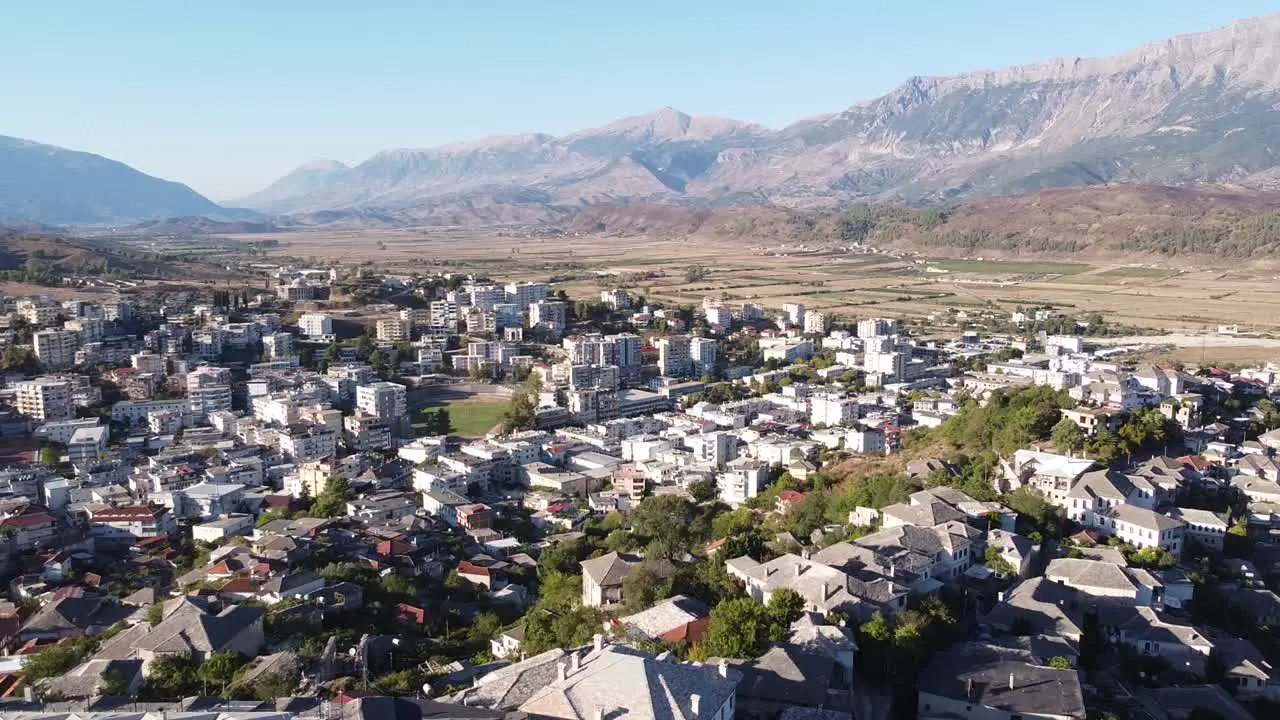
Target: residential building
316, 326
393, 330
131, 523
674, 356
551, 315
793, 314
602, 578
1208, 529
979, 681
876, 327
45, 398
702, 356
816, 322
385, 401
277, 345
86, 445
209, 390
56, 349
525, 294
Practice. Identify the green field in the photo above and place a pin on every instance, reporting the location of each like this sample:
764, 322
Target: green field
468, 418
995, 267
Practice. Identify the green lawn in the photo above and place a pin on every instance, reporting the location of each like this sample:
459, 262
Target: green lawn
996, 267
468, 418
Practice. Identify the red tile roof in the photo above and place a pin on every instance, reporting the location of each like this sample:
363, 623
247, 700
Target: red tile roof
28, 521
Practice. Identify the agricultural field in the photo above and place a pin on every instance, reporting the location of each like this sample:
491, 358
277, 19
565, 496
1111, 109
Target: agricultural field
1159, 297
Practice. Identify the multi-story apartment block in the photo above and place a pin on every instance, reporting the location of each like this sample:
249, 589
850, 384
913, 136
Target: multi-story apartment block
826, 409
674, 357
304, 443
46, 399
209, 390
393, 330
526, 294
443, 314
131, 523
148, 362
873, 327
793, 314
56, 349
549, 314
363, 432
618, 299
702, 356
382, 400
480, 321
277, 345
316, 325
484, 297
816, 322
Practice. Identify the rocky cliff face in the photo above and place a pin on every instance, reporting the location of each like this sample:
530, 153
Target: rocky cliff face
1195, 108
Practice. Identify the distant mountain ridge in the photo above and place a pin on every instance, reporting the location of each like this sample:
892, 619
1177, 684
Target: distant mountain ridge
1199, 108
48, 185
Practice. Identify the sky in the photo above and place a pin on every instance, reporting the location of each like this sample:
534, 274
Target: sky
228, 96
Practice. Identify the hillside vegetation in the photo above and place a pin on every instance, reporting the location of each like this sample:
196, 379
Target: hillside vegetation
1103, 221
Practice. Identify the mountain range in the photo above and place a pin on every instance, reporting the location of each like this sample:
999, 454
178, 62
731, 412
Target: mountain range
1200, 108
1194, 109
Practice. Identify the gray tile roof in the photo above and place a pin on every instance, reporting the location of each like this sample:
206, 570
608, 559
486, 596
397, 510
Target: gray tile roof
980, 673
1090, 574
611, 569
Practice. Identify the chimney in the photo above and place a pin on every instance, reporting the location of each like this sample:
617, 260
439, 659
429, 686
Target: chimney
694, 702
598, 714
799, 569
825, 591
968, 690
564, 670
724, 668
1010, 681
576, 659
892, 571
597, 640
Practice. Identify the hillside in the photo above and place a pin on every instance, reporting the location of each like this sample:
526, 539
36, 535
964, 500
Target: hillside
44, 258
43, 184
1111, 221
1201, 108
200, 226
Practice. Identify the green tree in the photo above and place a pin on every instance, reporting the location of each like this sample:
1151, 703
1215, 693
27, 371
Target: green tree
736, 629
646, 585
333, 500
785, 607
702, 490
1068, 436
50, 456
56, 660
155, 613
665, 521
219, 670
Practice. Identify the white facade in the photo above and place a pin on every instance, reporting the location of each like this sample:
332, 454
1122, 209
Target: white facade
316, 325
674, 356
45, 399
56, 349
702, 353
383, 400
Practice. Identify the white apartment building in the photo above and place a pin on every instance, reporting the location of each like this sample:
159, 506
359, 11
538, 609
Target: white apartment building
719, 316
443, 314
209, 390
618, 299
702, 354
833, 410
674, 356
816, 322
86, 445
480, 321
305, 443
526, 294
366, 432
383, 400
393, 330
867, 441
1143, 528
45, 399
56, 349
1207, 528
135, 412
316, 325
793, 313
549, 314
277, 345
148, 362
873, 327
484, 297
742, 480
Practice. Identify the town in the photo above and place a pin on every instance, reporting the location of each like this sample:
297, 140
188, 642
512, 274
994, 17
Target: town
352, 492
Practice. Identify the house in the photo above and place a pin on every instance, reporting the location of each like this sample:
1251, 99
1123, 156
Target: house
30, 526
1053, 475
1098, 579
92, 679
131, 523
190, 630
977, 680
606, 681
1207, 529
476, 575
1039, 606
1186, 702
223, 528
1258, 604
824, 587
1013, 548
1152, 633
290, 586
1257, 489
73, 617
507, 643
1143, 528
676, 619
602, 578
1245, 668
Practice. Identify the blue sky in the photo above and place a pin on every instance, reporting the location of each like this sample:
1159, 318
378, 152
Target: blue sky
227, 96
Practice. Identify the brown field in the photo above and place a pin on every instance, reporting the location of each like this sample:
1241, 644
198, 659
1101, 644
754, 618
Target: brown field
1159, 297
